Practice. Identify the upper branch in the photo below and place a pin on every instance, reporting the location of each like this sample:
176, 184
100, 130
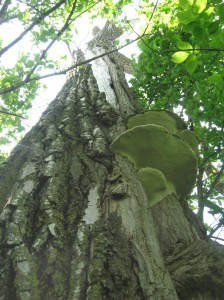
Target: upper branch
11, 114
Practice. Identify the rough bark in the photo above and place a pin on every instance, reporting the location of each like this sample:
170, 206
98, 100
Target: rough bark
77, 224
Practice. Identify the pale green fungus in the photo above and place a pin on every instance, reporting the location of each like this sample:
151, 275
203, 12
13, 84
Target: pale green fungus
189, 137
167, 119
152, 146
163, 151
155, 185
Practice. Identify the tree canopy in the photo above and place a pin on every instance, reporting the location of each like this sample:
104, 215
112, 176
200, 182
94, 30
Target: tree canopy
180, 68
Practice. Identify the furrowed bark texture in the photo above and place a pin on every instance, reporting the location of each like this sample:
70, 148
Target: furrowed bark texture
76, 223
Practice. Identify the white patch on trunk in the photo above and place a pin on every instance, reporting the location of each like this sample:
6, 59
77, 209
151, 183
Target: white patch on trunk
50, 169
91, 212
24, 267
51, 228
101, 73
28, 169
49, 158
28, 186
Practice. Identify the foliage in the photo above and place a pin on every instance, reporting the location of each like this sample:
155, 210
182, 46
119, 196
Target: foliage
181, 68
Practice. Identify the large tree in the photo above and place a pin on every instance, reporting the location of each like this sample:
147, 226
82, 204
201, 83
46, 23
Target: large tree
77, 222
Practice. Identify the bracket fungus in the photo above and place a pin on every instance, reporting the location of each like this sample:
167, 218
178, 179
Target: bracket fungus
169, 120
189, 137
163, 152
155, 184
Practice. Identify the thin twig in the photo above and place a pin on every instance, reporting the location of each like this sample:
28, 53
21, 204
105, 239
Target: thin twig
200, 195
220, 224
144, 32
217, 238
207, 158
195, 49
154, 9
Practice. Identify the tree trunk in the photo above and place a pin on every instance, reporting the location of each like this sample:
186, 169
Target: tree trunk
76, 222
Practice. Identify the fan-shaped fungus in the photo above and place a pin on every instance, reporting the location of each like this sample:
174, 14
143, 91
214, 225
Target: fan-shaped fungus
165, 158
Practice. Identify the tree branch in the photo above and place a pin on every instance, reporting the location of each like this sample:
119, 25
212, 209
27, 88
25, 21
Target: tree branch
196, 49
220, 224
4, 20
36, 22
144, 33
11, 114
207, 159
200, 195
217, 238
4, 8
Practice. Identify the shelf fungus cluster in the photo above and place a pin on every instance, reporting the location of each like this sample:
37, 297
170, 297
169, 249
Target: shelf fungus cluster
164, 153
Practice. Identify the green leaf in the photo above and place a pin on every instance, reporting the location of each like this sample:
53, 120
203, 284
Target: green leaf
216, 42
191, 64
215, 79
216, 209
4, 140
184, 45
199, 6
208, 11
220, 9
24, 16
185, 4
185, 17
213, 27
198, 32
7, 84
51, 66
180, 57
